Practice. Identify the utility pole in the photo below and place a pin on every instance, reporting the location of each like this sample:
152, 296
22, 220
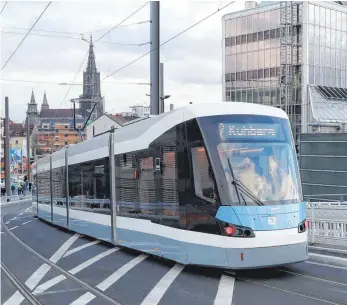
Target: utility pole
155, 56
7, 149
28, 148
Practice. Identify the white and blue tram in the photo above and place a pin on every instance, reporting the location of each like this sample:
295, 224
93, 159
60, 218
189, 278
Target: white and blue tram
208, 184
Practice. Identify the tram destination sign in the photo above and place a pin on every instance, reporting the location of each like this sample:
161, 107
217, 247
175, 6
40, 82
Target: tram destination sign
240, 131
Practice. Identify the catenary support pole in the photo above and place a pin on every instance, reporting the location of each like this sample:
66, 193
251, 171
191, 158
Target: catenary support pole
28, 149
154, 57
7, 149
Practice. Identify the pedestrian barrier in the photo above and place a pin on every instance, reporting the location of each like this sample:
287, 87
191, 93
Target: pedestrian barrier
327, 222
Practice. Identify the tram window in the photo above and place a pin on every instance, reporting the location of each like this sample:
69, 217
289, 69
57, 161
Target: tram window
203, 179
89, 186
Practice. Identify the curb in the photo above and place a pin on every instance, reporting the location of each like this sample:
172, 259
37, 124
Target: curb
328, 260
12, 203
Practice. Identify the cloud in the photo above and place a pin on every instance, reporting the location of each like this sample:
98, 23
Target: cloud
192, 61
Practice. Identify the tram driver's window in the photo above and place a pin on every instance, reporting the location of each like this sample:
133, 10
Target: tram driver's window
203, 181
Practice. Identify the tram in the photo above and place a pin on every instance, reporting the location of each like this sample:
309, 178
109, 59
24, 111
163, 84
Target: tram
212, 184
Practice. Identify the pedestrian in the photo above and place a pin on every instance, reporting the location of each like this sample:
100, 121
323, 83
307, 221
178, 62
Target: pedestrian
13, 188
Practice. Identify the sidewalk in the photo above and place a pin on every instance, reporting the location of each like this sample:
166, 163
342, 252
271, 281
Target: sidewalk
14, 199
329, 254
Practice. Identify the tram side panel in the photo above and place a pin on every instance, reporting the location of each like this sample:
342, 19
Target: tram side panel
59, 196
44, 195
89, 196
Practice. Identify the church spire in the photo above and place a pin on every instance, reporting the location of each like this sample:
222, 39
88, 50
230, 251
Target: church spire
45, 104
32, 99
91, 67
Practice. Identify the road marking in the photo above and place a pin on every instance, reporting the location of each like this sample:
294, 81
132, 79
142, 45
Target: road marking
24, 223
154, 297
225, 291
43, 287
6, 223
37, 276
61, 251
13, 228
13, 218
27, 209
15, 299
84, 299
114, 277
20, 214
81, 247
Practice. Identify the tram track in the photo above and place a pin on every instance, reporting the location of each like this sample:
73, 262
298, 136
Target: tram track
319, 279
291, 291
23, 290
21, 287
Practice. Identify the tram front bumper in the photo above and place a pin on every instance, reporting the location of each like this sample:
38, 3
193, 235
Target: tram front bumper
266, 257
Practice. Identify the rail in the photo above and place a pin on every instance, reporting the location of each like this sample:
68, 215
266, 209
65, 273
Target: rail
327, 222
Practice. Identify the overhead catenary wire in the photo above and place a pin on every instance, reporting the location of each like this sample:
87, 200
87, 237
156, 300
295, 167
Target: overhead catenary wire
170, 39
76, 38
119, 24
3, 7
37, 20
64, 83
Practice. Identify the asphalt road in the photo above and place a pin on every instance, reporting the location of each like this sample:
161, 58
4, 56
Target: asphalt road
100, 273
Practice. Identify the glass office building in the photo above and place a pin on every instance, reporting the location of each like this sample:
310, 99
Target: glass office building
284, 53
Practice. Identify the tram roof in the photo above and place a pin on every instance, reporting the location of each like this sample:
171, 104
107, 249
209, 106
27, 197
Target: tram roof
138, 135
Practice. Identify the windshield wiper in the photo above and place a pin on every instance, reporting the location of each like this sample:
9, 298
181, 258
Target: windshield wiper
239, 186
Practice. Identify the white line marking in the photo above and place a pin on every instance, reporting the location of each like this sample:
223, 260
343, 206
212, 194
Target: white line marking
24, 223
27, 209
120, 272
37, 276
20, 214
225, 291
114, 277
61, 251
13, 218
154, 297
43, 287
15, 299
6, 223
84, 299
13, 228
81, 247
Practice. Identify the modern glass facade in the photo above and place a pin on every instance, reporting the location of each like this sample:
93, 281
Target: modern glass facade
327, 41
252, 57
253, 61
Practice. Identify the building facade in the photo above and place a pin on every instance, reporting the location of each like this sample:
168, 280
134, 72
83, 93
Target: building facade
106, 122
276, 52
53, 128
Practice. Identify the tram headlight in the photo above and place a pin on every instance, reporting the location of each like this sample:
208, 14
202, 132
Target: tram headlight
237, 231
302, 227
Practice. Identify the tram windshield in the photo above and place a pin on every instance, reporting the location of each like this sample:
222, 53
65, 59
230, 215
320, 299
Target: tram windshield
253, 159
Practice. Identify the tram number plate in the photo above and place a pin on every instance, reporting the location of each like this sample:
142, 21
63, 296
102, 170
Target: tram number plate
271, 220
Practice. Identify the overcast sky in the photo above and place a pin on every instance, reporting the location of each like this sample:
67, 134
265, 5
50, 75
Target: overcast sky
192, 62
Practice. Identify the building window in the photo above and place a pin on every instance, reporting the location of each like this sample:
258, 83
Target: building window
16, 141
66, 135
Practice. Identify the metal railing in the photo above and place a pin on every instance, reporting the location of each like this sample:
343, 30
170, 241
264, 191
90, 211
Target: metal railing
327, 222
